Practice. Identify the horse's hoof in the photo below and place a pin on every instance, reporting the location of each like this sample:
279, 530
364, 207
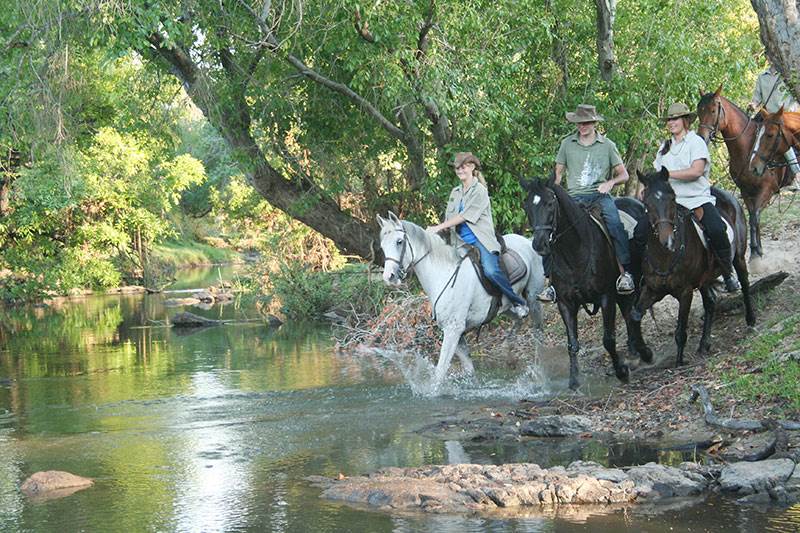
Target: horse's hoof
574, 384
623, 373
646, 355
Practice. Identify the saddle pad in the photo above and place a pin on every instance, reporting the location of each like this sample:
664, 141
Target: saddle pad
628, 222
515, 266
700, 233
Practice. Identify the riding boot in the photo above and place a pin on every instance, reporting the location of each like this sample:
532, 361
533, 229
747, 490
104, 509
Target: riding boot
724, 255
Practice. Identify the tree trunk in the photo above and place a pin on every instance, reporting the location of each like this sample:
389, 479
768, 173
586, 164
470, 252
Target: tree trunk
298, 197
779, 21
5, 188
607, 61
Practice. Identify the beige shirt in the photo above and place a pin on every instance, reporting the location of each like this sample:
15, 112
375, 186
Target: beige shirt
477, 212
587, 166
778, 97
680, 156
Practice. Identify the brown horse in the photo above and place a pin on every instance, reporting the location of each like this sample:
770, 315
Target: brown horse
718, 115
780, 130
677, 263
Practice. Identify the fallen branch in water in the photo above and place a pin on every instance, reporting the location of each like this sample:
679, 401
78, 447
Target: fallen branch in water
733, 424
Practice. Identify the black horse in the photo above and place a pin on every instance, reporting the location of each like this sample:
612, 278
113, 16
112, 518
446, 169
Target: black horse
584, 268
676, 262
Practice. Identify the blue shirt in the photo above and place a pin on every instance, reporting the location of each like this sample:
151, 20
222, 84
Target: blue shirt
463, 229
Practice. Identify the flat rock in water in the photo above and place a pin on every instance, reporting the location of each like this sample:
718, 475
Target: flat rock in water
54, 484
556, 426
469, 487
190, 320
761, 476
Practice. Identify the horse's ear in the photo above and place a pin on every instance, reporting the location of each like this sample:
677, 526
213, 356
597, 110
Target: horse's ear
525, 183
381, 221
719, 90
551, 179
664, 174
644, 179
701, 91
778, 113
393, 218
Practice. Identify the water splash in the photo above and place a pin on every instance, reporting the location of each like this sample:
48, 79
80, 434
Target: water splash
418, 372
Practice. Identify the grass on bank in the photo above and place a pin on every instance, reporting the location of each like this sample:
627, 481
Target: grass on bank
769, 371
179, 254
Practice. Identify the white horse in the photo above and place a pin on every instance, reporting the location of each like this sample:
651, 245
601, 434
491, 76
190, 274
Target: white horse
459, 301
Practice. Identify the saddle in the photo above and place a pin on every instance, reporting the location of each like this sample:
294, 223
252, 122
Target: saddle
697, 214
628, 222
510, 262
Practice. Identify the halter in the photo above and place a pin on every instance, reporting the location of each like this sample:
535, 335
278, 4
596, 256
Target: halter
402, 272
715, 128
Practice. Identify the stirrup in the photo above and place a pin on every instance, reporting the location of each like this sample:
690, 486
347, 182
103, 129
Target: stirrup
548, 295
625, 284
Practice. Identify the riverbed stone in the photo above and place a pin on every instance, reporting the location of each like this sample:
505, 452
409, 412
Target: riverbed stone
54, 484
747, 478
466, 487
557, 426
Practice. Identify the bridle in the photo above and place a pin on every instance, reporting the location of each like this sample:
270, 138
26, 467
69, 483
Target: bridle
676, 223
403, 272
713, 130
773, 150
552, 228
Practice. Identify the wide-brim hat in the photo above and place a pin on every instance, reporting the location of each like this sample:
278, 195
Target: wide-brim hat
584, 113
679, 109
466, 157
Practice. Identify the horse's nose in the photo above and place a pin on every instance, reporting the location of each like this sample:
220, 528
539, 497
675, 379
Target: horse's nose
389, 276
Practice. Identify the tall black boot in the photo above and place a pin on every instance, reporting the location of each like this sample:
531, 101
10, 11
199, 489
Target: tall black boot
724, 255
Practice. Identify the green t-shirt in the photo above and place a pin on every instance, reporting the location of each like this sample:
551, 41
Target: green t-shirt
587, 166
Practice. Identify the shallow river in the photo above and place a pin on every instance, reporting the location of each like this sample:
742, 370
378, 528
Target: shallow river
215, 430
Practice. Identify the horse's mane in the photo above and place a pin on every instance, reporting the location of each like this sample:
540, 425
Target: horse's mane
439, 249
570, 207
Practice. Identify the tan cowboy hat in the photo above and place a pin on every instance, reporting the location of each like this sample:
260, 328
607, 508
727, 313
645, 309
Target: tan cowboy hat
466, 157
679, 109
584, 113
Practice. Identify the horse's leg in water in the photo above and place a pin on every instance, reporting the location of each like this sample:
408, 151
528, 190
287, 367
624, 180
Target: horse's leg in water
740, 265
684, 304
709, 303
462, 351
636, 345
569, 314
452, 334
608, 305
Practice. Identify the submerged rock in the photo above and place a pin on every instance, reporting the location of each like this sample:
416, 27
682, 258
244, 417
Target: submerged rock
557, 426
54, 484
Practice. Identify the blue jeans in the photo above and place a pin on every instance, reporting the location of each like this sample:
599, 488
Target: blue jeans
613, 223
491, 269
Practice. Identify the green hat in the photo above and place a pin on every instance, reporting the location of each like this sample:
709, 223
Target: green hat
679, 109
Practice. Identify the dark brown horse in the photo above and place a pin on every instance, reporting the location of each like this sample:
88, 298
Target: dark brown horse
779, 131
584, 270
676, 263
718, 115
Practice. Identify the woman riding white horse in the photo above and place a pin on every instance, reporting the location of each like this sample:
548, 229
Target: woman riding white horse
458, 300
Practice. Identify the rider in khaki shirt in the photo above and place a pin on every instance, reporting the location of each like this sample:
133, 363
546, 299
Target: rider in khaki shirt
469, 219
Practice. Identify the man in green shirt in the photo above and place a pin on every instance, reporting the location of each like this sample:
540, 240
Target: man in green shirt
589, 159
